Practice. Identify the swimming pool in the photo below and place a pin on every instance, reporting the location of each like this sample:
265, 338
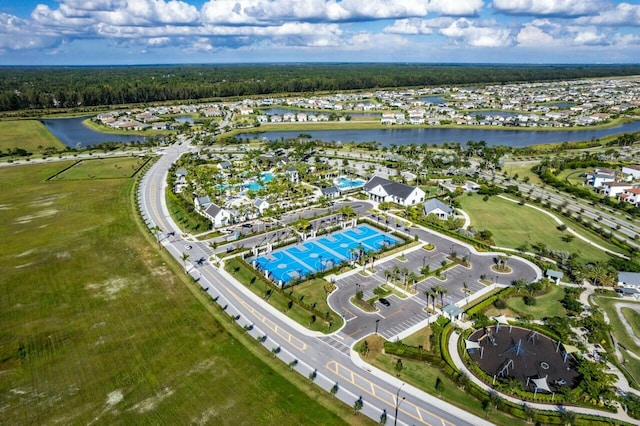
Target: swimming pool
317, 255
343, 183
253, 185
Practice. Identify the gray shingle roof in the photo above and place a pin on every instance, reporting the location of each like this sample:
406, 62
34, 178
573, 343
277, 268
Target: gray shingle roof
213, 210
397, 189
434, 203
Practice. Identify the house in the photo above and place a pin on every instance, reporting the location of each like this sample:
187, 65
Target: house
437, 207
330, 191
629, 279
380, 189
293, 174
261, 204
599, 177
217, 215
632, 170
553, 275
202, 203
224, 165
181, 180
613, 189
631, 196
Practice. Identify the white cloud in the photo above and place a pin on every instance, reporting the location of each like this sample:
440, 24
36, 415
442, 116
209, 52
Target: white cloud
466, 31
533, 36
590, 38
622, 14
548, 7
417, 26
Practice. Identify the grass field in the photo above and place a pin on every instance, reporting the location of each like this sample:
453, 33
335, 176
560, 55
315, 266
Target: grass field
620, 332
547, 305
523, 171
30, 135
98, 327
107, 168
423, 376
512, 225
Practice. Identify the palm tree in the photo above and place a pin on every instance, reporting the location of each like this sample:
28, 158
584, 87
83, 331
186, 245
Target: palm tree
412, 277
443, 291
431, 295
437, 290
185, 257
405, 272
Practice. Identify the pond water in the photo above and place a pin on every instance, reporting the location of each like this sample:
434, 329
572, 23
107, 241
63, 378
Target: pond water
435, 135
73, 133
184, 119
433, 99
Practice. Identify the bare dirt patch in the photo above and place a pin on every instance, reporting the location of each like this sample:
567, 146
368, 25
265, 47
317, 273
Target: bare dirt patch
150, 403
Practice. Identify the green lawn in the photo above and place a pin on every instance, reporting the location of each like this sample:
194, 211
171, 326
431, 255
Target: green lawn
512, 225
633, 318
30, 135
522, 172
620, 332
107, 168
547, 305
98, 327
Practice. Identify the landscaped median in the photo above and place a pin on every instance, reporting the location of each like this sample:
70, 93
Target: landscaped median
305, 303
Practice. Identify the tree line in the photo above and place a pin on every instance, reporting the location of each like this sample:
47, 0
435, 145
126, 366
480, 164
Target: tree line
36, 88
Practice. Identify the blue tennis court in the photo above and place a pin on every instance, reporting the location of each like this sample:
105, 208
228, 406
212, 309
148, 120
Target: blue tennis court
297, 261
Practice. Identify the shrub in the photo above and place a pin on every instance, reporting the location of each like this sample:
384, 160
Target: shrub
529, 300
500, 304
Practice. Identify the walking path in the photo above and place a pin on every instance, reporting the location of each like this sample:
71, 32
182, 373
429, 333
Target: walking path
457, 360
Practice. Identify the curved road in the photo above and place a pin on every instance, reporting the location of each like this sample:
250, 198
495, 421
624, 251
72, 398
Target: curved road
330, 361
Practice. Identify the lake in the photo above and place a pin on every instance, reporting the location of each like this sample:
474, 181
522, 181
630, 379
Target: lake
73, 133
435, 135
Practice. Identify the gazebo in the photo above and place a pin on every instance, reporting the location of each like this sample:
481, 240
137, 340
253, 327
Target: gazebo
452, 312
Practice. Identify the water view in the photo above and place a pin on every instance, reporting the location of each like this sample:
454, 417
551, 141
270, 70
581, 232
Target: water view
433, 135
73, 133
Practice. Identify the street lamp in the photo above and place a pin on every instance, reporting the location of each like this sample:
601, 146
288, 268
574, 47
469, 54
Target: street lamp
377, 322
395, 418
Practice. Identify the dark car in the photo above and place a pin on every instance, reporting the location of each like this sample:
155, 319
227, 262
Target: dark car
384, 301
247, 225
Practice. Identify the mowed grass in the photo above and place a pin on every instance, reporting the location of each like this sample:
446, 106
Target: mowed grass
512, 225
523, 171
103, 168
547, 305
30, 135
620, 332
97, 326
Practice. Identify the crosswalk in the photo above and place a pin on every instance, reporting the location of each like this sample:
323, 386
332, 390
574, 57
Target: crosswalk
335, 343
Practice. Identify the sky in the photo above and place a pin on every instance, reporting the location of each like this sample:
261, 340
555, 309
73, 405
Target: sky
130, 32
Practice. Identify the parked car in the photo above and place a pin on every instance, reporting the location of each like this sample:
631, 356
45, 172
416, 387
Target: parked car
384, 301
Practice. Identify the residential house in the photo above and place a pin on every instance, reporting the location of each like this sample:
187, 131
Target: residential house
380, 189
632, 170
293, 174
438, 208
217, 215
330, 191
631, 196
613, 189
201, 203
261, 204
629, 279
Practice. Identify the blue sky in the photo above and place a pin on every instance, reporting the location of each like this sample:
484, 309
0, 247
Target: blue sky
102, 32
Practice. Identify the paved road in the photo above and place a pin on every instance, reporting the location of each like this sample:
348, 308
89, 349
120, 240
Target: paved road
329, 358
